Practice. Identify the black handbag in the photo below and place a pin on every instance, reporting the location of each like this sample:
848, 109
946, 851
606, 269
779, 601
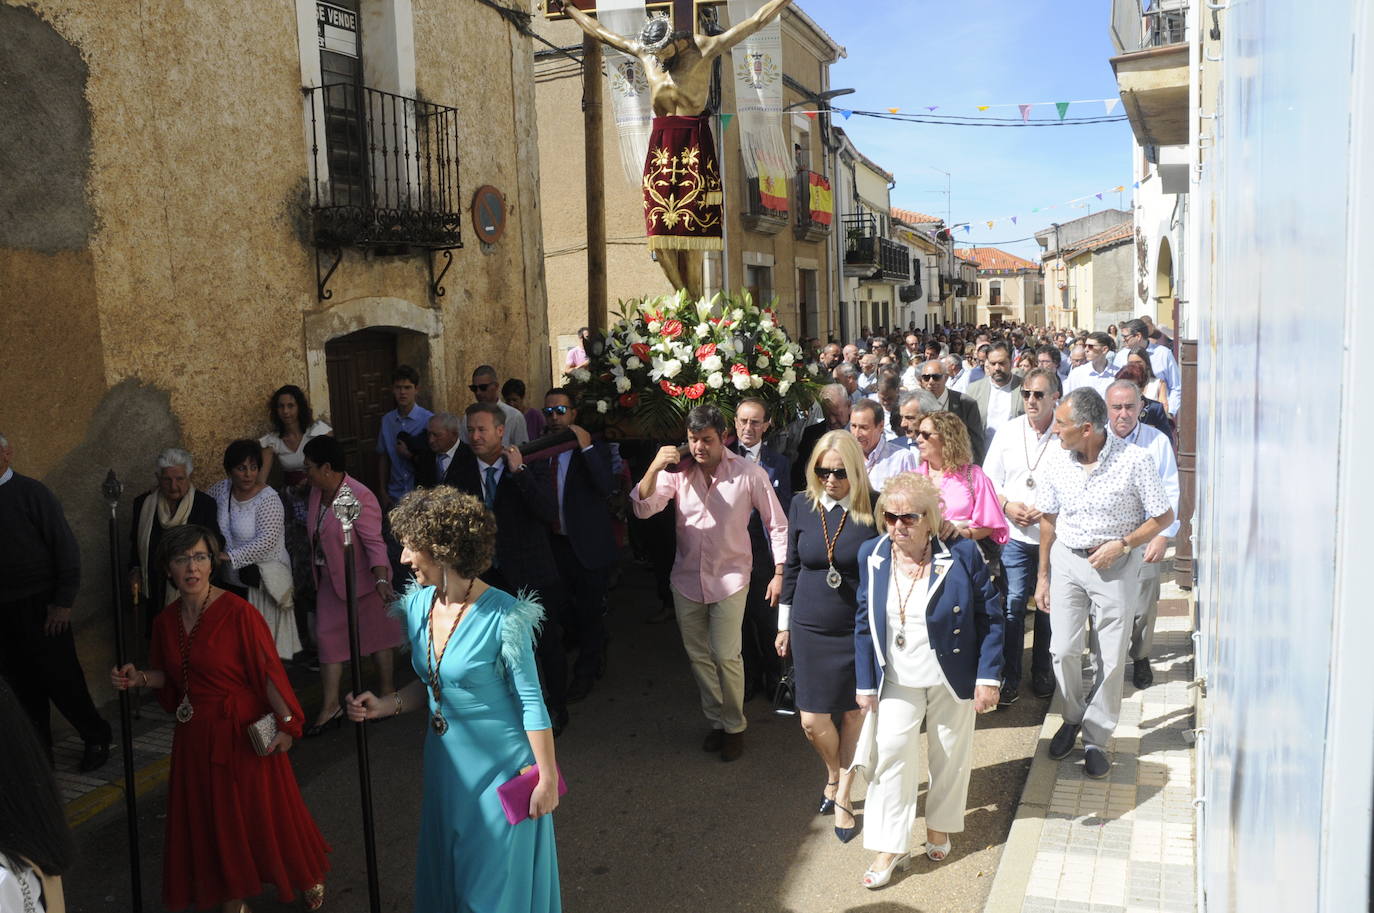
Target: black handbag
785, 696
992, 556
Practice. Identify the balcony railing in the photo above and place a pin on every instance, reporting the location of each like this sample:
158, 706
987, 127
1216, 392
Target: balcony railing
813, 224
1135, 28
384, 168
868, 255
758, 215
909, 293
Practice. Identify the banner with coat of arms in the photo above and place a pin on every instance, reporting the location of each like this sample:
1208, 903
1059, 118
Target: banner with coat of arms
822, 200
628, 87
758, 100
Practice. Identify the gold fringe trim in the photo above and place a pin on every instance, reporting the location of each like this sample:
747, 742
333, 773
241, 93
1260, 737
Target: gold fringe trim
676, 242
715, 198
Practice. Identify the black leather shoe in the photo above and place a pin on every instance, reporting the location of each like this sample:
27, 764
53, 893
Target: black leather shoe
94, 756
1009, 695
846, 834
1095, 763
1063, 741
714, 739
1142, 676
579, 689
1042, 686
731, 746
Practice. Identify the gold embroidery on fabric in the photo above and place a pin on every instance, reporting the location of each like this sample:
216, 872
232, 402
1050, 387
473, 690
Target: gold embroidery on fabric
676, 192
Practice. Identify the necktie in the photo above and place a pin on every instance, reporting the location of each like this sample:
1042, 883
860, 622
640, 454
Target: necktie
557, 507
443, 465
489, 494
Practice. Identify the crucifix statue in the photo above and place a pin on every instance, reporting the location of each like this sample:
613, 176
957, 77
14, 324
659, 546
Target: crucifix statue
682, 191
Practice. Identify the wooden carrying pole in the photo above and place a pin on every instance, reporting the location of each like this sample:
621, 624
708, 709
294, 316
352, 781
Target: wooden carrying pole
592, 124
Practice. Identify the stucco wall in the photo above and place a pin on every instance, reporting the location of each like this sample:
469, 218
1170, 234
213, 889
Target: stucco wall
180, 271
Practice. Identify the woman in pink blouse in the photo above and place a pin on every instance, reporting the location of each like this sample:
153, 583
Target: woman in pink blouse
971, 509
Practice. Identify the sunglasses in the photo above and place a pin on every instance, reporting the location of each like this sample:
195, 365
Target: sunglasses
551, 411
839, 475
905, 519
1038, 394
932, 377
927, 435
478, 388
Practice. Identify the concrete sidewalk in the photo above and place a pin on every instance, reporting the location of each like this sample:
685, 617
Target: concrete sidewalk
1123, 844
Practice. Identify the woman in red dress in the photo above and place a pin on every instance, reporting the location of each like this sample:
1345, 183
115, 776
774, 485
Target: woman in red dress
235, 821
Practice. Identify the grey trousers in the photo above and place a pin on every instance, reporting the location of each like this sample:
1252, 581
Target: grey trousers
1110, 596
1146, 610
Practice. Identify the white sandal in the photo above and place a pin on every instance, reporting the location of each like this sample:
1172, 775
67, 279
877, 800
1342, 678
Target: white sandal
937, 852
873, 879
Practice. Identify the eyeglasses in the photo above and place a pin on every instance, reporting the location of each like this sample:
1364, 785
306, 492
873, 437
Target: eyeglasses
1038, 394
927, 435
824, 473
181, 562
556, 410
905, 519
932, 377
478, 388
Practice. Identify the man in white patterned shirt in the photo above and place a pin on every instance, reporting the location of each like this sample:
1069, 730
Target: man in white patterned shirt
1100, 500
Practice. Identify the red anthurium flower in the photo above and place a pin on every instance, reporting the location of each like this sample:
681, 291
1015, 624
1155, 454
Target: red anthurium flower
768, 378
641, 350
739, 369
761, 350
629, 400
670, 388
695, 391
706, 351
672, 329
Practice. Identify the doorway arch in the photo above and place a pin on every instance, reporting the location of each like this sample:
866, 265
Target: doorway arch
1164, 283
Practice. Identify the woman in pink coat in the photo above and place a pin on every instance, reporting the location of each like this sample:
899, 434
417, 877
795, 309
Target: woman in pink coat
378, 632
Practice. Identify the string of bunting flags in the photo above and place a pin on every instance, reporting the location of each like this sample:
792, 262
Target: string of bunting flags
937, 114
1076, 203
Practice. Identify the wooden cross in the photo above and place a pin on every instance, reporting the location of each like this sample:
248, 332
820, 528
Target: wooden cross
684, 16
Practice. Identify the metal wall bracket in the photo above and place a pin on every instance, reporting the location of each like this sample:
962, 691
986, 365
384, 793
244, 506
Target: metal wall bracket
436, 290
322, 279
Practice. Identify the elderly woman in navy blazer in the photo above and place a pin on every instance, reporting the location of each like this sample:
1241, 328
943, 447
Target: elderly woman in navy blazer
928, 645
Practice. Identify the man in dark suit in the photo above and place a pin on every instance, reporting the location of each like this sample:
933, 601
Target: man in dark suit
998, 394
762, 667
521, 498
934, 382
583, 538
834, 400
435, 464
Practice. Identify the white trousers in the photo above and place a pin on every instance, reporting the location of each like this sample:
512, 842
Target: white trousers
711, 634
890, 809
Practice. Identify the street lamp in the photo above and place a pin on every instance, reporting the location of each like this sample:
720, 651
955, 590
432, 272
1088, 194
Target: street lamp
820, 98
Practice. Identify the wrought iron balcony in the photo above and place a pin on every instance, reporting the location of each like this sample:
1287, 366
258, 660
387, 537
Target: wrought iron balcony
384, 169
814, 215
758, 215
909, 293
868, 255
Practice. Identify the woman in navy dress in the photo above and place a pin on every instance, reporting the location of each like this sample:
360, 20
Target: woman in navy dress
473, 648
826, 525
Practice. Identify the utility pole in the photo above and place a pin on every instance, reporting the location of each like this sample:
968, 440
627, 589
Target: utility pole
592, 119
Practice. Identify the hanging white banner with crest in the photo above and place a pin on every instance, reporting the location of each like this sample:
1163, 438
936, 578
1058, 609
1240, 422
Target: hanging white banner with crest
758, 68
628, 87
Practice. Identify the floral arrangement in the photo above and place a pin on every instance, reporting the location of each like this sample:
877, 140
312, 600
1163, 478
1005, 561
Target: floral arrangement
663, 356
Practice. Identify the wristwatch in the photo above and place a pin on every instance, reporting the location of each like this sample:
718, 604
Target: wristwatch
1125, 545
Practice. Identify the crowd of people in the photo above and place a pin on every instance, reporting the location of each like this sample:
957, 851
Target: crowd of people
879, 555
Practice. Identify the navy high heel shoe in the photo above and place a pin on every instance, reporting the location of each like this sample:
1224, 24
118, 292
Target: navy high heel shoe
846, 834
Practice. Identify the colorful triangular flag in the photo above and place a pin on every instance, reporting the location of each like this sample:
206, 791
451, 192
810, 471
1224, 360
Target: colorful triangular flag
847, 114
1025, 112
893, 110
1099, 196
1136, 184
1063, 107
725, 122
1013, 220
1118, 189
1036, 209
931, 107
811, 114
968, 229
991, 223
1111, 104
984, 107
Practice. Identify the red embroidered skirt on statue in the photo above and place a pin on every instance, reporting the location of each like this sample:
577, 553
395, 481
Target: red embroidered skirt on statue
235, 821
682, 194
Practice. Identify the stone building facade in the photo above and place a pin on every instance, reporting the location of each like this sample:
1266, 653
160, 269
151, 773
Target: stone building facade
177, 179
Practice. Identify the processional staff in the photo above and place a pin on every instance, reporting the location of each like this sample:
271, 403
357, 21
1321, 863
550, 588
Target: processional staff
111, 490
346, 508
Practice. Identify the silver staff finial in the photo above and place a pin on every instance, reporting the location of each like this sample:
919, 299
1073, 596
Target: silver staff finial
347, 508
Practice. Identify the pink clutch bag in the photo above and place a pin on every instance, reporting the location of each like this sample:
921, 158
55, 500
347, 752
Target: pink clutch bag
515, 793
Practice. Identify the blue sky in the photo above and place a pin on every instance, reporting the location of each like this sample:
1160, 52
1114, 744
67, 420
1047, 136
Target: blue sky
911, 53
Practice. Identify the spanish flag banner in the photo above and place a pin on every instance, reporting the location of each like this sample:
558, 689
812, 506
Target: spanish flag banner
822, 200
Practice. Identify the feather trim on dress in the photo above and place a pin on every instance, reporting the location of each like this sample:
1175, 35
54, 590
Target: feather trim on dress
524, 618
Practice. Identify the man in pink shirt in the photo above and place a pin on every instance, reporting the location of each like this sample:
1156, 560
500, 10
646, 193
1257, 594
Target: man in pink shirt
715, 493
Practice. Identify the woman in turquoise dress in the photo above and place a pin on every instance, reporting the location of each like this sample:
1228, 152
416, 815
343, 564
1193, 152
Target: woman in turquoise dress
473, 649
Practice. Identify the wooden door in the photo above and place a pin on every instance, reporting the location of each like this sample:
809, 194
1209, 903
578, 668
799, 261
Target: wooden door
359, 367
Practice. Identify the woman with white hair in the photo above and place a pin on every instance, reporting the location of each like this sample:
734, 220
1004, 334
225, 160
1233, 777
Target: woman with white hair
928, 648
173, 502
